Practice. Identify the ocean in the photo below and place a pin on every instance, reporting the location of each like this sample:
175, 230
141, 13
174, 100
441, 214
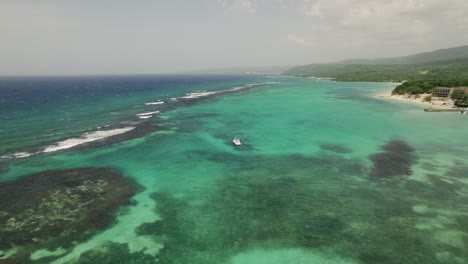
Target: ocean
327, 172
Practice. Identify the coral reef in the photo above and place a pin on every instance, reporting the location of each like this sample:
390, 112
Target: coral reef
395, 160
52, 207
317, 203
112, 253
309, 204
312, 204
336, 148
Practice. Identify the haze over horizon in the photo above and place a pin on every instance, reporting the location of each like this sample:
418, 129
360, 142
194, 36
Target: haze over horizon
122, 37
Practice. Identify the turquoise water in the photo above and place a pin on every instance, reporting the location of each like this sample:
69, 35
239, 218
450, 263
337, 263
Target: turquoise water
303, 188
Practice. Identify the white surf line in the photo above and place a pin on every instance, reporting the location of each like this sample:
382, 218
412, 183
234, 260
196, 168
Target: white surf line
71, 142
148, 113
238, 88
155, 103
17, 155
123, 232
198, 95
89, 137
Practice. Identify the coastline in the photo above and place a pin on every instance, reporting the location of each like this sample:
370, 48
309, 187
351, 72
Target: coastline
435, 103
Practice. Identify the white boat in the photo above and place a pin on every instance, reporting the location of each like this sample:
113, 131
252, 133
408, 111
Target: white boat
236, 141
465, 111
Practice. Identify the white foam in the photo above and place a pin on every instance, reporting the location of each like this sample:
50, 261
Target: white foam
145, 116
237, 88
154, 103
89, 137
148, 113
22, 154
198, 95
18, 155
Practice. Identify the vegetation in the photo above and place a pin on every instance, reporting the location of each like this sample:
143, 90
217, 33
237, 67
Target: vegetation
426, 57
427, 86
442, 70
428, 98
460, 96
462, 103
423, 66
421, 73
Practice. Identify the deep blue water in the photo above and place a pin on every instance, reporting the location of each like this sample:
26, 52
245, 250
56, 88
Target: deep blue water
41, 110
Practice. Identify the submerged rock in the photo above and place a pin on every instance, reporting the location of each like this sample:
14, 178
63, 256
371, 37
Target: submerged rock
336, 148
395, 160
54, 206
114, 253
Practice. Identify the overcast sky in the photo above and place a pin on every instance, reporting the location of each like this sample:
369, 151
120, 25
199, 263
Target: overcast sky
127, 37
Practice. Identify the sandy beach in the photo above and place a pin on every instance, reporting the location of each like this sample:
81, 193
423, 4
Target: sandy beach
442, 103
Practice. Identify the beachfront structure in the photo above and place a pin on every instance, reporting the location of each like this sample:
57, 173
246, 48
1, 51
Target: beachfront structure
442, 92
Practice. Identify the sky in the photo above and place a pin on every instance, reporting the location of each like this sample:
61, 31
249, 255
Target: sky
65, 37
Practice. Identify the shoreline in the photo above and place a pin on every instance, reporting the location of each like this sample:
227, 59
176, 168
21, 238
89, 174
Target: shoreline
435, 103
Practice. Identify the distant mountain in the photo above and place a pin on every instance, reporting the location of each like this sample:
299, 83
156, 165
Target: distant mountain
245, 70
432, 56
440, 64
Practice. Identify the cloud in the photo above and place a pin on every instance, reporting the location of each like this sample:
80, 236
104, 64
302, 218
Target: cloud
298, 40
313, 9
111, 36
378, 18
247, 6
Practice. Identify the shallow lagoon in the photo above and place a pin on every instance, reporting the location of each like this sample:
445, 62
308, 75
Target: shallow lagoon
327, 174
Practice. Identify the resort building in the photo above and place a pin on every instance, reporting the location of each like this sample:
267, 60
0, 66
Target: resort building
442, 92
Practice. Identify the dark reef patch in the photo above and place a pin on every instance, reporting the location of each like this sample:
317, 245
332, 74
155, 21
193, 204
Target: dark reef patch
354, 94
260, 209
115, 253
10, 261
176, 229
300, 201
429, 166
336, 148
395, 160
333, 165
52, 208
458, 170
4, 167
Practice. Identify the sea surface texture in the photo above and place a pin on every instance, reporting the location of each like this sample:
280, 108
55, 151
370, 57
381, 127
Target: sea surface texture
142, 169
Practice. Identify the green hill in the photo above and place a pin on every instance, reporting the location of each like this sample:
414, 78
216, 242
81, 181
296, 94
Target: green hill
444, 63
451, 69
437, 55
